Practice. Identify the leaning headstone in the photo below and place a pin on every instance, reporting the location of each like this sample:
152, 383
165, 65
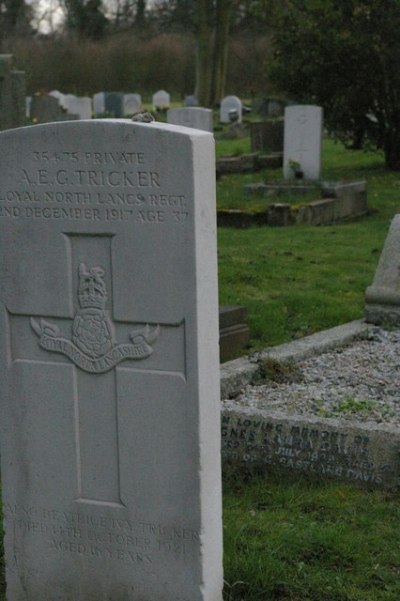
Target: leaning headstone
382, 298
231, 106
12, 94
99, 103
196, 117
109, 383
302, 141
266, 136
132, 103
161, 100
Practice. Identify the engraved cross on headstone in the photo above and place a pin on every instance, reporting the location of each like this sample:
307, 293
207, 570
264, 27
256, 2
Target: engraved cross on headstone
96, 347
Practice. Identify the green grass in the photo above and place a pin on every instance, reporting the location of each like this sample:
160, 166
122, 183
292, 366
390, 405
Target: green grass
310, 541
302, 279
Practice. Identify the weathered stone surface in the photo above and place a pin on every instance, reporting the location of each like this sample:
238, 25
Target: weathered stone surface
353, 452
265, 439
109, 359
382, 298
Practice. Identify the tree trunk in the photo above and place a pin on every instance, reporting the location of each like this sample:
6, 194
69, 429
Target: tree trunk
392, 150
204, 54
224, 9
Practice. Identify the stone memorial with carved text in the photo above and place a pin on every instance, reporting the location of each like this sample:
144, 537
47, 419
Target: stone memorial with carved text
302, 147
109, 359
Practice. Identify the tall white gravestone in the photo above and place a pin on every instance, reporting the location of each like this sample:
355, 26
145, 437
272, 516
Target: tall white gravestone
303, 140
109, 360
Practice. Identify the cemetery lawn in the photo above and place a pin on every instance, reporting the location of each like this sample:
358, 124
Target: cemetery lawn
303, 540
293, 540
301, 279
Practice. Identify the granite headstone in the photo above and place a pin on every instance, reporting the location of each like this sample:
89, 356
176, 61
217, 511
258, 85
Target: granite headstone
109, 393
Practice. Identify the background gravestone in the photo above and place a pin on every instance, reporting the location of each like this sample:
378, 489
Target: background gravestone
132, 104
229, 104
382, 298
45, 109
303, 140
266, 136
161, 100
191, 100
196, 117
99, 103
109, 393
12, 94
113, 104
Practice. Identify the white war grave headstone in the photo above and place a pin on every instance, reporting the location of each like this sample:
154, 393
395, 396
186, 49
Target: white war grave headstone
196, 117
231, 110
382, 298
110, 444
302, 141
161, 100
132, 103
99, 103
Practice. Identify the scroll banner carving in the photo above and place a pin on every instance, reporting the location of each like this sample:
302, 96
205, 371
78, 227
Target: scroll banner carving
51, 341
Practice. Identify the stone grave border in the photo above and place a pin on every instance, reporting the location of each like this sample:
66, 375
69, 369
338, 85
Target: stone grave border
340, 202
351, 451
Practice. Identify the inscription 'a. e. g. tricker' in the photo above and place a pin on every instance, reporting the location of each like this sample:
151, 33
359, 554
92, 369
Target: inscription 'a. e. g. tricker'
91, 177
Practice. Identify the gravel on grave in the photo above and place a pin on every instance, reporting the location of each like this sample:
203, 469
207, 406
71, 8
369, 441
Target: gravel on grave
360, 381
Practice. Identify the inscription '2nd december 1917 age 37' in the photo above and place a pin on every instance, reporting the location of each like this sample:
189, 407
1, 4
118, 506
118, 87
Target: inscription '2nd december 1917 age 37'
92, 186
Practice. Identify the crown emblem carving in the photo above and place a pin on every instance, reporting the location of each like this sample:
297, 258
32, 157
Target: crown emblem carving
92, 292
93, 347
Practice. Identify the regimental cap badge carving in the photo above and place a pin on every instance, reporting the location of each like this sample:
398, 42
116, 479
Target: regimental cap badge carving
93, 347
92, 288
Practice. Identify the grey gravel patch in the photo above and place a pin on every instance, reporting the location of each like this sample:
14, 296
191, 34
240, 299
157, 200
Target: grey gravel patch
358, 382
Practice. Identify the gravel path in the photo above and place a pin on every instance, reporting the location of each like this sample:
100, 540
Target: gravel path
361, 381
